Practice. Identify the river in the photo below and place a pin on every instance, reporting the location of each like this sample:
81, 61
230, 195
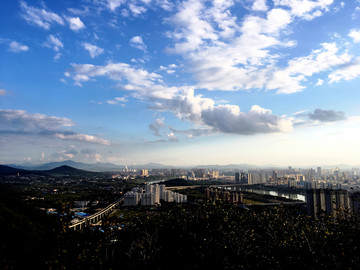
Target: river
291, 196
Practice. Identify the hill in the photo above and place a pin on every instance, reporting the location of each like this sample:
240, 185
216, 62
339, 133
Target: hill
67, 171
7, 170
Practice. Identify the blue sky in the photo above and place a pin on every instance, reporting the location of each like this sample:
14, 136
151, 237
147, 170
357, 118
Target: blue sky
180, 82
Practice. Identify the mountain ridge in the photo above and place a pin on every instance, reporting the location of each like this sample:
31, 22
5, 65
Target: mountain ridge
110, 167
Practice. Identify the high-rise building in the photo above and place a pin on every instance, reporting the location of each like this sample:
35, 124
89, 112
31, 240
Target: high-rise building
237, 178
250, 179
274, 175
327, 201
144, 172
318, 171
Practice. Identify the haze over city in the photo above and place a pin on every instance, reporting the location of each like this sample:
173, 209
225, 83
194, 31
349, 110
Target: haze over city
180, 82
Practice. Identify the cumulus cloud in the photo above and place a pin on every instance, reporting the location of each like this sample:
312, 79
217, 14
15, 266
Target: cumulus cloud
227, 52
224, 118
172, 137
138, 43
75, 23
306, 9
260, 5
194, 132
65, 154
327, 115
114, 4
156, 126
170, 69
129, 78
355, 35
289, 80
15, 46
90, 155
191, 30
53, 43
19, 122
92, 49
39, 16
118, 100
346, 72
137, 9
319, 82
183, 102
80, 137
21, 119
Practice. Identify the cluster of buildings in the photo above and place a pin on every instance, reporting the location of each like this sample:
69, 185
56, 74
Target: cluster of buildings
151, 195
331, 202
225, 195
326, 201
308, 178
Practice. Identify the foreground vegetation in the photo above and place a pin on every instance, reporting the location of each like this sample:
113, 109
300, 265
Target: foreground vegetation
197, 236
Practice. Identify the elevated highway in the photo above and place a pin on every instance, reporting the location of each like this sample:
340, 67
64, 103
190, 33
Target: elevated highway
95, 218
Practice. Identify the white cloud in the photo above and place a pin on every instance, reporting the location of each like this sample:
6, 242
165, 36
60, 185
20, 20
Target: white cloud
75, 23
138, 43
132, 79
11, 119
306, 9
117, 100
183, 102
156, 127
114, 4
289, 80
172, 137
2, 92
19, 122
224, 118
165, 4
90, 155
191, 29
319, 82
231, 56
53, 43
81, 137
40, 17
348, 72
15, 46
137, 10
355, 35
92, 49
57, 56
260, 5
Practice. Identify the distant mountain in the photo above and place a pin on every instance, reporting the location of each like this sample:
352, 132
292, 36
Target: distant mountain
67, 170
109, 167
228, 167
6, 170
95, 167
63, 170
152, 166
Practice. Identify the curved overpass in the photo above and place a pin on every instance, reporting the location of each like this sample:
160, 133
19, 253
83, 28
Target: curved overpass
95, 218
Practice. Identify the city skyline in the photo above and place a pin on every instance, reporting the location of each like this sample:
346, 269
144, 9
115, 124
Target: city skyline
180, 83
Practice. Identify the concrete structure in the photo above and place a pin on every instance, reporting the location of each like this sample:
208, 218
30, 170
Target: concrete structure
237, 178
152, 196
226, 195
95, 218
144, 172
131, 198
326, 201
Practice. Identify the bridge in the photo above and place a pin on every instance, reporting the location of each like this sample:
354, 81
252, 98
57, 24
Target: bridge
95, 218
